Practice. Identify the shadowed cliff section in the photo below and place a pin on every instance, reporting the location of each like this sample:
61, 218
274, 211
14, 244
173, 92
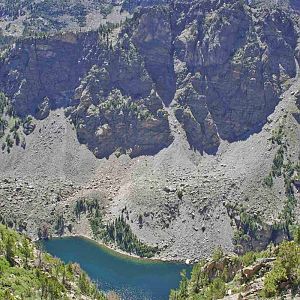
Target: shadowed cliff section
153, 38
237, 61
104, 88
295, 4
223, 64
42, 73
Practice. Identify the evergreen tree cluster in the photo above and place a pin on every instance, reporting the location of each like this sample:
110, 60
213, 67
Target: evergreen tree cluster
120, 233
223, 275
26, 272
10, 125
86, 206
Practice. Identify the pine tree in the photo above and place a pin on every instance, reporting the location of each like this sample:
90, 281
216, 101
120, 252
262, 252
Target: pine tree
10, 250
26, 250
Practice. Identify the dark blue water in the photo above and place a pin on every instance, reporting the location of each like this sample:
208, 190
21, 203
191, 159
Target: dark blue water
132, 279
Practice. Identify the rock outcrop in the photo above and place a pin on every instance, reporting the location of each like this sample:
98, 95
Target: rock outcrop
240, 62
44, 67
115, 107
197, 121
223, 64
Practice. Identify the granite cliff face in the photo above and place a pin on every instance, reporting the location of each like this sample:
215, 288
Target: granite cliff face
237, 62
114, 106
40, 68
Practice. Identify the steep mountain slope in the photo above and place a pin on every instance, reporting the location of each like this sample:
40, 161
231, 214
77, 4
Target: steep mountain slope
273, 273
28, 273
188, 111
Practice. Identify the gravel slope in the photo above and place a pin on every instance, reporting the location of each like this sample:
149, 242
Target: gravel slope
45, 180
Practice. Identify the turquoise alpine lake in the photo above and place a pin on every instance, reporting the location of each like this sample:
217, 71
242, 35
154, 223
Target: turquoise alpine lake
130, 278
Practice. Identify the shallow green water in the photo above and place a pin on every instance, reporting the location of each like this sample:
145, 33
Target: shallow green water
132, 279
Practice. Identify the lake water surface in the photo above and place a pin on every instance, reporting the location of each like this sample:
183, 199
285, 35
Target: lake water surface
132, 279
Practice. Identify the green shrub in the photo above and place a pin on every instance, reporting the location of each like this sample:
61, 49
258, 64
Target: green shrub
268, 181
215, 290
278, 162
9, 141
278, 135
179, 193
272, 280
286, 269
248, 258
218, 254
